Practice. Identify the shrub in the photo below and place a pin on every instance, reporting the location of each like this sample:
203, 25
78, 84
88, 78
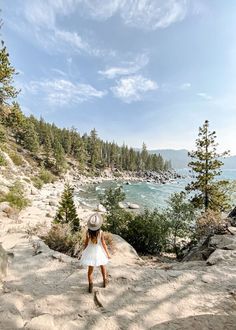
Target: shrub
210, 223
181, 217
43, 177
3, 161
60, 238
37, 182
16, 197
148, 232
46, 176
117, 221
17, 159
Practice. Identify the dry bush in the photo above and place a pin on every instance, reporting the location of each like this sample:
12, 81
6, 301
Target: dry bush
61, 239
210, 223
109, 241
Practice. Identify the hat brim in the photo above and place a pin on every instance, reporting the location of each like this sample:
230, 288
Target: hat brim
95, 228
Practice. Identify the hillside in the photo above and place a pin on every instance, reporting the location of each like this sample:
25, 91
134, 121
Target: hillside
179, 158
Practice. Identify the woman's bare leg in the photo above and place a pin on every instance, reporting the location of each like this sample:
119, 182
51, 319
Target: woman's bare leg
104, 275
90, 274
90, 278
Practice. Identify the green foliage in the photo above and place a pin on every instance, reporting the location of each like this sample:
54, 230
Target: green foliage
180, 215
59, 156
206, 164
42, 178
46, 176
7, 71
66, 213
37, 182
16, 158
111, 198
16, 196
148, 232
117, 221
3, 136
3, 161
30, 137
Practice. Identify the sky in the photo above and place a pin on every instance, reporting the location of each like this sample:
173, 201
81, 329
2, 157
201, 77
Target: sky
136, 70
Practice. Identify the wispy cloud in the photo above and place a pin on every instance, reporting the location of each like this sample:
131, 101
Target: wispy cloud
127, 68
62, 92
185, 86
39, 21
133, 88
205, 96
145, 14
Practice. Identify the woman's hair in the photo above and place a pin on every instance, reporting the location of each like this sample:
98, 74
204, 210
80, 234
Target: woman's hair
93, 235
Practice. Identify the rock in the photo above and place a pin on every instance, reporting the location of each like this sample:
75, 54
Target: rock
53, 202
33, 191
225, 242
219, 256
3, 262
4, 206
11, 320
233, 221
101, 208
122, 205
42, 322
133, 206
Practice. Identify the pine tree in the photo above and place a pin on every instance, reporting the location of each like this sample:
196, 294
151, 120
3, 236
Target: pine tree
209, 193
94, 148
58, 153
66, 213
144, 156
31, 139
7, 71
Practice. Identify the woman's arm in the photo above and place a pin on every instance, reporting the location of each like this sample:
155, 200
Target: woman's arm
86, 241
105, 246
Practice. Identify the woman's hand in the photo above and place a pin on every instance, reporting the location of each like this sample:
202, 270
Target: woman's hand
109, 256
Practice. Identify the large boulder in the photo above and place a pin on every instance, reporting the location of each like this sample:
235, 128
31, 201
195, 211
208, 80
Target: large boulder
133, 206
41, 322
3, 262
221, 256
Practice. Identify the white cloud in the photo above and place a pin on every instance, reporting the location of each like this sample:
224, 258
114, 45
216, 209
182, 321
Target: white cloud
127, 69
184, 86
44, 13
144, 14
133, 88
205, 96
63, 92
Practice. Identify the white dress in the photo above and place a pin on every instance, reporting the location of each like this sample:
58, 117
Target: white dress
94, 254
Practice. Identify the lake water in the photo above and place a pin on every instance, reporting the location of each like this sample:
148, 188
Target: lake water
147, 195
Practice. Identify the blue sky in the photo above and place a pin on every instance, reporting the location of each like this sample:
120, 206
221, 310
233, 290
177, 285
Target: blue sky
136, 70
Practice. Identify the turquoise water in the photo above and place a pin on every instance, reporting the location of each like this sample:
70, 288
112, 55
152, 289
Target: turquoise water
147, 195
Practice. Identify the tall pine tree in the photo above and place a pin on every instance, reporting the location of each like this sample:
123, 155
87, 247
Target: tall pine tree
209, 192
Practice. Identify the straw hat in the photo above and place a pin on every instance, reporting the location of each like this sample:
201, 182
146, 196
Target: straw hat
94, 221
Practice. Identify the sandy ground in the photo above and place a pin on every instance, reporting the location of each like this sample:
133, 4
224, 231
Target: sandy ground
49, 290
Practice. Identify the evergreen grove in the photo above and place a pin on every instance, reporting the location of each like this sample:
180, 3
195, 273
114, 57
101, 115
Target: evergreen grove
54, 146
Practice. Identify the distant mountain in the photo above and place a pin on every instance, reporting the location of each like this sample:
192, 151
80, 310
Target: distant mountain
179, 158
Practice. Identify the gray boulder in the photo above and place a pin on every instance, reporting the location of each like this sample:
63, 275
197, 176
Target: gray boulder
219, 256
3, 262
42, 322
